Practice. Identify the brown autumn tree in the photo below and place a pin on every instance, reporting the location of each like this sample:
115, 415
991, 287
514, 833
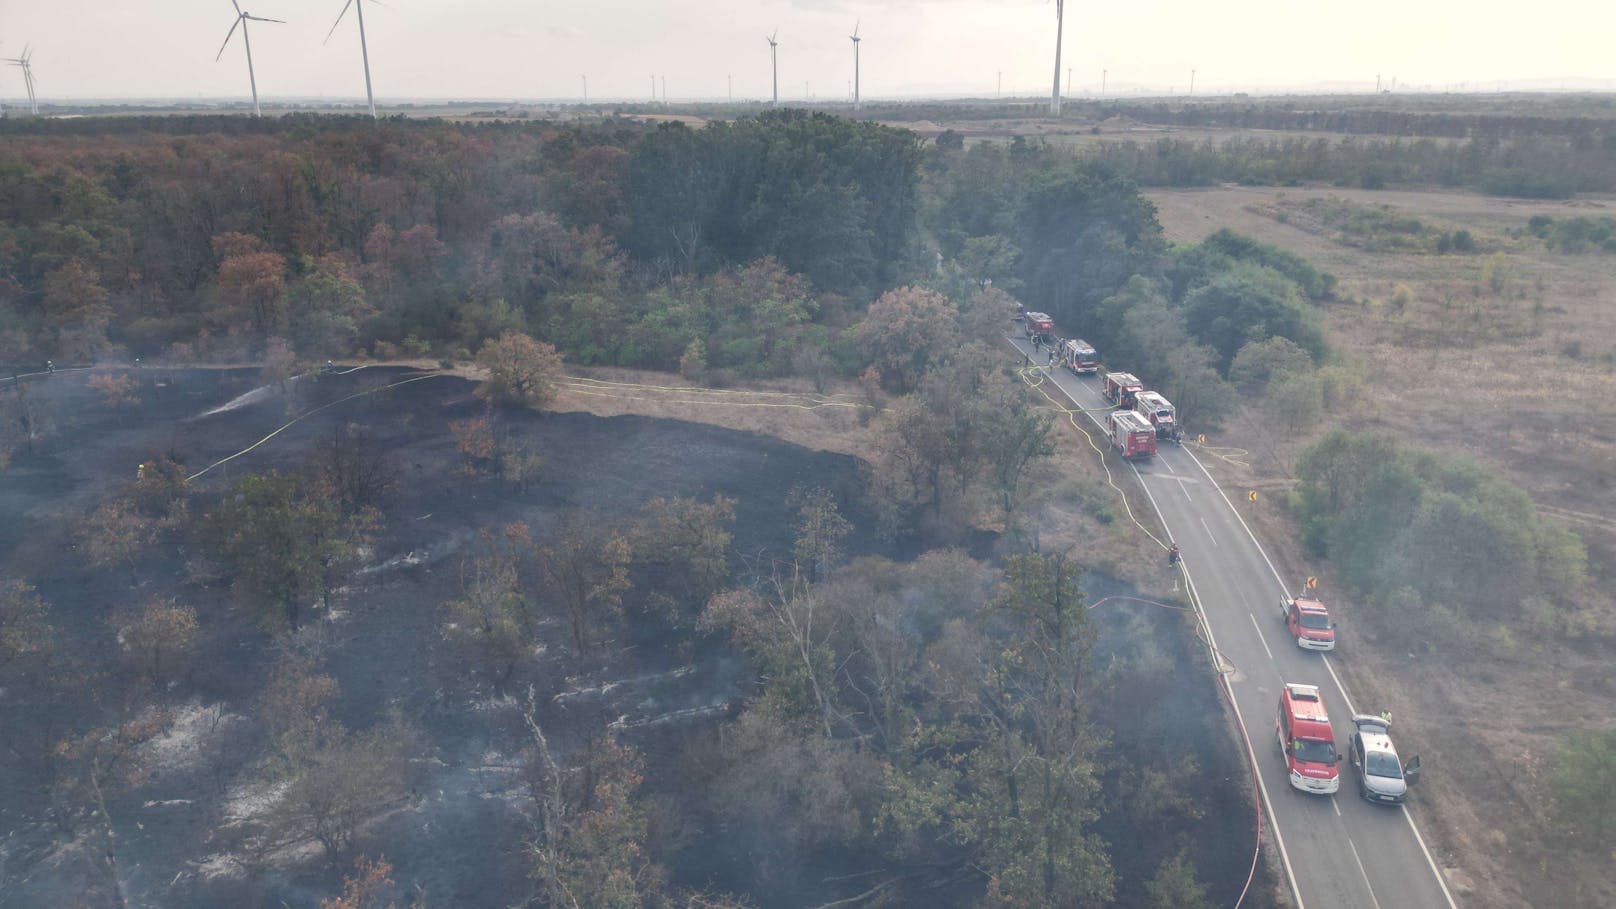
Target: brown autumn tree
251, 284
114, 534
159, 642
116, 391
76, 311
520, 371
905, 332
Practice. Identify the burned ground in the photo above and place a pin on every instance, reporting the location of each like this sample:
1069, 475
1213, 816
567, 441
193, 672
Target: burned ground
460, 836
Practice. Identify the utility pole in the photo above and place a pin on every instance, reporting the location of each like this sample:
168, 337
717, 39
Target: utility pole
664, 91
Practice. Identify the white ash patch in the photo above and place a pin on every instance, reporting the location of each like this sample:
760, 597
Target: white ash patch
196, 731
606, 688
494, 703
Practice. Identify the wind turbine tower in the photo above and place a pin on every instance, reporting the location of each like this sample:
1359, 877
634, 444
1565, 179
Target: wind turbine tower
1055, 93
364, 49
774, 65
26, 61
855, 38
242, 18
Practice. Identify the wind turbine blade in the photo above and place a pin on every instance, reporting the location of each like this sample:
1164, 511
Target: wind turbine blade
237, 6
227, 37
856, 28
338, 22
262, 19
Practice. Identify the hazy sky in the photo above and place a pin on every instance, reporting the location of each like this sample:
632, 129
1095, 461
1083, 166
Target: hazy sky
508, 49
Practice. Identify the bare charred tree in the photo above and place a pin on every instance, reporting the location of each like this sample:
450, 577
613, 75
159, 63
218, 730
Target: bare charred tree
99, 765
588, 842
352, 469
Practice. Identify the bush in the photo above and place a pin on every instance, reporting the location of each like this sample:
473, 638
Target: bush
1583, 787
1392, 517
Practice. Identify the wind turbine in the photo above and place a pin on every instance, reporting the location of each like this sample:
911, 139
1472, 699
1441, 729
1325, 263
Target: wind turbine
1060, 21
364, 50
774, 64
242, 18
855, 39
26, 62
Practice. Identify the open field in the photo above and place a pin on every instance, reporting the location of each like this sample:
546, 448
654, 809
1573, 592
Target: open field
1504, 355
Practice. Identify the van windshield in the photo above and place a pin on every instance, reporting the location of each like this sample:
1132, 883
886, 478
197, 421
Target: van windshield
1314, 620
1313, 751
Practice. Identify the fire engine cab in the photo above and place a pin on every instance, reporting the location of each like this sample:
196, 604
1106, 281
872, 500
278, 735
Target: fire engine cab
1120, 387
1079, 356
1306, 740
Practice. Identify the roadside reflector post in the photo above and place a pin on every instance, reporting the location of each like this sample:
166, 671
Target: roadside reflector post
1252, 495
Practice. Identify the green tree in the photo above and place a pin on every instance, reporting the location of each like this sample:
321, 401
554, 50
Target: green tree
490, 620
820, 531
1297, 399
1583, 786
686, 542
586, 563
1250, 303
25, 628
1175, 885
282, 546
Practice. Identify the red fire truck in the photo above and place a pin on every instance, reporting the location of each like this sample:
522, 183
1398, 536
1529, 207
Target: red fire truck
1120, 387
1131, 434
1159, 411
1079, 356
1039, 325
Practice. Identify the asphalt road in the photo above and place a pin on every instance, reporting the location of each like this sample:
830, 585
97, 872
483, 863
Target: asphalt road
1335, 850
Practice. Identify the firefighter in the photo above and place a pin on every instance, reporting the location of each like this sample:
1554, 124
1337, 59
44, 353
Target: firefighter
1172, 556
50, 365
140, 471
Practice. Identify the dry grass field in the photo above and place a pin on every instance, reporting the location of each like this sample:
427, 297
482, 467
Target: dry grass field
1508, 355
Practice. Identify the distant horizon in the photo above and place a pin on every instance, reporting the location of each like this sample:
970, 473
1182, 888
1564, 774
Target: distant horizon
634, 49
1537, 86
